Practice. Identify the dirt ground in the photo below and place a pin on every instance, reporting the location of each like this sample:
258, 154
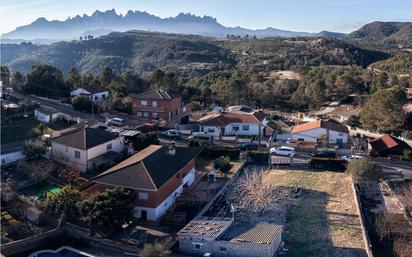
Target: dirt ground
324, 222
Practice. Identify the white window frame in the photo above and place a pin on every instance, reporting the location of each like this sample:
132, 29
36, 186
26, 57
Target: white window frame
145, 114
245, 127
143, 102
75, 155
139, 114
154, 104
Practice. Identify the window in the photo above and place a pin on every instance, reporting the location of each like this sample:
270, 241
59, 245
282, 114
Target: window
77, 154
145, 114
143, 102
108, 147
211, 130
155, 115
143, 196
154, 104
222, 249
176, 112
235, 128
139, 114
96, 97
67, 149
245, 127
104, 96
197, 246
202, 129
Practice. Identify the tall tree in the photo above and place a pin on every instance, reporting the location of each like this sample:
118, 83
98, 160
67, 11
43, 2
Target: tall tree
46, 80
384, 111
17, 81
5, 75
106, 76
73, 79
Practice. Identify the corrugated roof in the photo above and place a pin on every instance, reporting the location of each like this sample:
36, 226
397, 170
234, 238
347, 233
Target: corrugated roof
206, 227
85, 138
154, 160
47, 110
331, 125
261, 233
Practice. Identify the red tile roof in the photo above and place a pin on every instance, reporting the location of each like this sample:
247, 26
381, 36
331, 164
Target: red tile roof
331, 125
223, 119
387, 142
156, 95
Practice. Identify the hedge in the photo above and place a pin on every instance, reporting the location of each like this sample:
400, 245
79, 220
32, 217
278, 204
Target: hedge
259, 157
216, 152
328, 164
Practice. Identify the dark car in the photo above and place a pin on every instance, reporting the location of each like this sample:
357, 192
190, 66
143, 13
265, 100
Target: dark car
324, 154
249, 146
146, 128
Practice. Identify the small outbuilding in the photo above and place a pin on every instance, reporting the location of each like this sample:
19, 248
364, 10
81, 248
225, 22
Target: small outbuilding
388, 145
46, 114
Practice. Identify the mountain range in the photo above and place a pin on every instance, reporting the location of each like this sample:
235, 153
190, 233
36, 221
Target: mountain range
101, 23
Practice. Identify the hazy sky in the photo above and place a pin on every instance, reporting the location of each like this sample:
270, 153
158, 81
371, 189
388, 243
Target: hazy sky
297, 15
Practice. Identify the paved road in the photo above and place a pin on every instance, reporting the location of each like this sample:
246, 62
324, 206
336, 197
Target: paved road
394, 166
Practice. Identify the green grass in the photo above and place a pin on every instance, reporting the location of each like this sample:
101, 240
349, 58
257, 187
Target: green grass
18, 129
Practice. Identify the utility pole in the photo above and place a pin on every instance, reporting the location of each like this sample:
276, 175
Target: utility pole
259, 137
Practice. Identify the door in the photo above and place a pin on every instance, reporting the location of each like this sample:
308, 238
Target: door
143, 215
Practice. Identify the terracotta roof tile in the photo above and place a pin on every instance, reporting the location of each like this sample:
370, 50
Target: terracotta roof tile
331, 125
386, 142
156, 95
223, 119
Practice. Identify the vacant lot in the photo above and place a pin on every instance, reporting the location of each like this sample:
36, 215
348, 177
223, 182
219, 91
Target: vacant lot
325, 221
18, 129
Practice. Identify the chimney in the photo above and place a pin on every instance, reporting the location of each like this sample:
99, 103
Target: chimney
172, 149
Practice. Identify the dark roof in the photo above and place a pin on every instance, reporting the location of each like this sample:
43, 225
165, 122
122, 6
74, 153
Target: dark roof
206, 227
326, 124
85, 138
148, 169
223, 119
387, 142
157, 95
47, 110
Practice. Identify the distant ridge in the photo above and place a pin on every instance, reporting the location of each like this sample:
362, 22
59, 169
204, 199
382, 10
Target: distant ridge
101, 23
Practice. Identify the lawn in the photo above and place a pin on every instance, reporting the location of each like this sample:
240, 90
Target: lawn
19, 129
325, 221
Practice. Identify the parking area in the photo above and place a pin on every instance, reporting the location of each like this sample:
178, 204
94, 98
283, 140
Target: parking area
298, 159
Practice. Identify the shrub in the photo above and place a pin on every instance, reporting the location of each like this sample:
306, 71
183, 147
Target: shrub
215, 152
143, 140
364, 170
407, 155
154, 250
33, 148
67, 201
223, 164
259, 157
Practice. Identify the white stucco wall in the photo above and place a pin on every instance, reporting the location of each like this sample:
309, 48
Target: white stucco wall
252, 131
117, 146
99, 97
156, 213
41, 116
66, 155
313, 134
78, 92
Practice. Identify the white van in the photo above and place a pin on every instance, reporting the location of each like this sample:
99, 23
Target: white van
283, 150
116, 122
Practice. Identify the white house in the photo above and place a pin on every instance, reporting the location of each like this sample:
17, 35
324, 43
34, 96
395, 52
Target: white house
78, 148
157, 175
233, 125
46, 114
95, 93
313, 132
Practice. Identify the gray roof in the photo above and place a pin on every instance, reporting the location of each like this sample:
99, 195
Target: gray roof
148, 169
47, 110
85, 138
261, 233
210, 227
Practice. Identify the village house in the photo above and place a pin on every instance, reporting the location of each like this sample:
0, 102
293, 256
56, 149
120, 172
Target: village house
82, 148
314, 132
159, 104
388, 145
157, 175
94, 92
229, 126
46, 114
215, 236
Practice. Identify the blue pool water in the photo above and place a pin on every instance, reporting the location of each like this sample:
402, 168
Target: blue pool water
61, 252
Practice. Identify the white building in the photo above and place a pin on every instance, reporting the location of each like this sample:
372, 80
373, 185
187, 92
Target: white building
78, 148
94, 92
315, 131
236, 125
157, 175
46, 114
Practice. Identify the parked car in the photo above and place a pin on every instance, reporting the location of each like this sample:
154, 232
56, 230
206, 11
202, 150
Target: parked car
116, 122
171, 133
200, 137
283, 150
324, 154
248, 146
350, 158
146, 128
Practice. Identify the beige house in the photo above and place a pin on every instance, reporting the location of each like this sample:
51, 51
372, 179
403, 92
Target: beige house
79, 148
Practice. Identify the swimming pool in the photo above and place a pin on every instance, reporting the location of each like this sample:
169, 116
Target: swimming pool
64, 251
38, 192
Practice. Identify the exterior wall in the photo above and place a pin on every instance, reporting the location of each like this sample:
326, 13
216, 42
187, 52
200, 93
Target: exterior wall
211, 130
99, 97
78, 92
314, 134
159, 201
66, 155
233, 249
165, 109
11, 157
252, 131
41, 116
